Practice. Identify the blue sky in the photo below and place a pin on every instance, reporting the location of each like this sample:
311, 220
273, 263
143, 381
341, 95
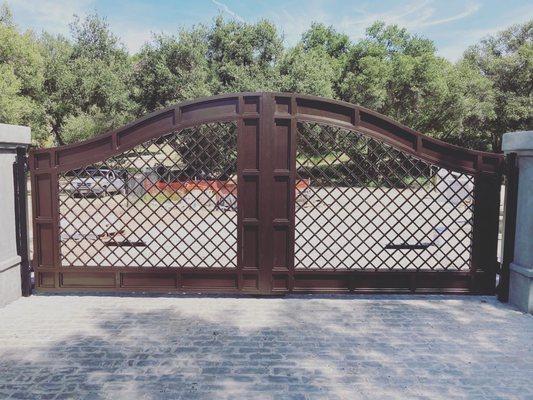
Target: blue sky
453, 25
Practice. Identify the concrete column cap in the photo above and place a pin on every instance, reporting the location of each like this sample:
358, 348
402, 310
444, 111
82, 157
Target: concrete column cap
516, 142
14, 134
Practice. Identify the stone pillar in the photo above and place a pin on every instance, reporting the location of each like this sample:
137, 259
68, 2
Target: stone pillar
11, 136
521, 269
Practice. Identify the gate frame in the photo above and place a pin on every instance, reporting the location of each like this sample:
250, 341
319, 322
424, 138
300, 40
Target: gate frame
265, 228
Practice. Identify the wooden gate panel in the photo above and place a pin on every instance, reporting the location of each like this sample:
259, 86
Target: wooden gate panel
266, 190
44, 210
249, 195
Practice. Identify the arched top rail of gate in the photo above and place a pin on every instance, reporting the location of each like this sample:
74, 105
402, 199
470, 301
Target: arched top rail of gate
265, 105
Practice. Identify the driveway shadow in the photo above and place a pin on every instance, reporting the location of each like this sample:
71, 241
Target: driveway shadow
329, 347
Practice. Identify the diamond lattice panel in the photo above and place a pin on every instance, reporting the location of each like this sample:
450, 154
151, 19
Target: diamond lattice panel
169, 202
362, 204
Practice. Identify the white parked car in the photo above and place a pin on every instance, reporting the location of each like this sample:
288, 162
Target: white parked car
97, 182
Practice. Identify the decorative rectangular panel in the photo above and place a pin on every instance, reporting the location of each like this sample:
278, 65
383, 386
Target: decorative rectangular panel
209, 109
73, 155
209, 281
138, 133
281, 144
42, 161
45, 239
43, 188
250, 248
251, 104
136, 279
250, 142
326, 110
87, 279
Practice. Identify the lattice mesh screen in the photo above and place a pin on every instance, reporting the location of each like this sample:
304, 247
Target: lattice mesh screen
362, 204
169, 202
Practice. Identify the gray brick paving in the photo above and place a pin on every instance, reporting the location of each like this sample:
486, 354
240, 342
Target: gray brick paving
300, 348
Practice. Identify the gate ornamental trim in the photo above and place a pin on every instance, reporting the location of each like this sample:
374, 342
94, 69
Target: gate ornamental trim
265, 193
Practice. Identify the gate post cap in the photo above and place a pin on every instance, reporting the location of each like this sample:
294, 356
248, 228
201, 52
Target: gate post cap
15, 134
516, 142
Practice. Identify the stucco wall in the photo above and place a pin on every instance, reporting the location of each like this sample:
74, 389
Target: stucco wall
521, 274
11, 136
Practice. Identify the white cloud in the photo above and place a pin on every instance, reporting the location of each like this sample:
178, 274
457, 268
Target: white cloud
471, 9
467, 38
461, 39
50, 15
55, 15
415, 16
293, 25
224, 8
134, 39
433, 19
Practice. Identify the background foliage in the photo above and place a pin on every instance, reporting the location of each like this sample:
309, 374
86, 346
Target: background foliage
71, 88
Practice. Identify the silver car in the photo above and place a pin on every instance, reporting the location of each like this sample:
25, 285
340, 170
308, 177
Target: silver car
98, 182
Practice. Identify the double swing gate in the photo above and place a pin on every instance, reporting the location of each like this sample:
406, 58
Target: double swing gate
265, 193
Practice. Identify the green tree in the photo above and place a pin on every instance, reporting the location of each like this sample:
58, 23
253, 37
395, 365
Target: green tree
6, 16
59, 83
335, 44
21, 77
506, 59
400, 75
72, 88
308, 72
243, 56
471, 97
172, 69
395, 73
327, 38
86, 79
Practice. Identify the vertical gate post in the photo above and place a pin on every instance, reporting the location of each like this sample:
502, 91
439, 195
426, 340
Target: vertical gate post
521, 266
252, 170
21, 217
279, 153
265, 203
13, 142
508, 240
485, 232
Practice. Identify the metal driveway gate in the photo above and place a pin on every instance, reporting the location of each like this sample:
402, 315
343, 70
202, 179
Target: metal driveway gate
265, 193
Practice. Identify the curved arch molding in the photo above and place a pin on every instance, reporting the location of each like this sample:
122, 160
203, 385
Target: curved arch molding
232, 107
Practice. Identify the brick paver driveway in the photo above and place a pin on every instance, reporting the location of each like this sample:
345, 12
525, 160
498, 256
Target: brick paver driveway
294, 348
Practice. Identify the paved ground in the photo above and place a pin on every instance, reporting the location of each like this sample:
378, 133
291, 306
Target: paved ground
378, 347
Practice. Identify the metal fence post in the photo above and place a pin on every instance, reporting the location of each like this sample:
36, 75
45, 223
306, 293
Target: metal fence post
21, 217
